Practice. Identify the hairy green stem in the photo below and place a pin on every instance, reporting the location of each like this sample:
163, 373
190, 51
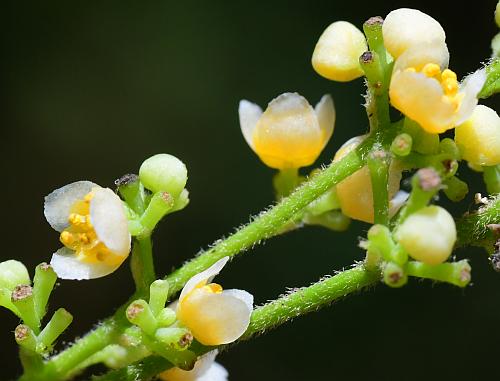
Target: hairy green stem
142, 264
271, 315
378, 164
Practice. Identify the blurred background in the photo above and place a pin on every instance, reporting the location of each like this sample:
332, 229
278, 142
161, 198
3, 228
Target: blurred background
93, 88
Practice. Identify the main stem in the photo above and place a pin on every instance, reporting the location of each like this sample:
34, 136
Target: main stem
271, 315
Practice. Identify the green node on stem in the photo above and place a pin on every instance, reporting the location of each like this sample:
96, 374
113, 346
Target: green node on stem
457, 273
378, 164
160, 204
54, 328
394, 275
176, 338
158, 294
166, 317
184, 359
25, 337
140, 314
43, 284
22, 298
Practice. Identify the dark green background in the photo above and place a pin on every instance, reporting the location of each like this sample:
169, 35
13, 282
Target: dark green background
93, 88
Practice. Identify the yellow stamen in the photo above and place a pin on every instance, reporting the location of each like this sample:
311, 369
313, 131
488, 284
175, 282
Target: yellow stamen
213, 288
88, 197
67, 238
431, 70
450, 86
448, 74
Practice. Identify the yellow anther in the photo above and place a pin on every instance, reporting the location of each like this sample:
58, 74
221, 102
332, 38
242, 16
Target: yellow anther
213, 288
448, 74
88, 197
67, 238
450, 86
76, 219
88, 224
84, 238
431, 70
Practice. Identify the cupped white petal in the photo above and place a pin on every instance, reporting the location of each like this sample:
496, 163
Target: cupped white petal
109, 220
205, 369
249, 114
470, 86
397, 202
67, 265
420, 55
405, 27
214, 318
58, 204
243, 295
325, 112
203, 277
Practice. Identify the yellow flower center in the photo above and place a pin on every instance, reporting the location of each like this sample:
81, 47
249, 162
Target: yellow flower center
81, 237
446, 78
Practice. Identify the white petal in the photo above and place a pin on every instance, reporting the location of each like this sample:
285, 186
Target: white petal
249, 116
404, 28
109, 220
420, 55
471, 86
67, 266
397, 202
215, 373
58, 204
325, 111
214, 318
205, 276
243, 295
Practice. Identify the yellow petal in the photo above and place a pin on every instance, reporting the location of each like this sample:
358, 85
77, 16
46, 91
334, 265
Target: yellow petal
404, 28
288, 134
215, 318
479, 137
336, 55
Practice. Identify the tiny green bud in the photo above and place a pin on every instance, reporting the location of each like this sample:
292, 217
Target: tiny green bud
180, 202
166, 317
13, 273
394, 275
401, 145
54, 328
158, 294
43, 284
131, 337
176, 338
140, 314
22, 298
455, 189
422, 141
449, 146
164, 172
457, 273
132, 191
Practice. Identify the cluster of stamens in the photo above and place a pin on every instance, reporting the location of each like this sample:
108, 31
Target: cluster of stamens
447, 79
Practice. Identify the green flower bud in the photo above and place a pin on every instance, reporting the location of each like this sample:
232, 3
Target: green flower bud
497, 14
401, 145
13, 273
164, 172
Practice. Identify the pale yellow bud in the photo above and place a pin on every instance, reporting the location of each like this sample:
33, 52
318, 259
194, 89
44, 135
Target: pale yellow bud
479, 137
428, 235
336, 55
406, 27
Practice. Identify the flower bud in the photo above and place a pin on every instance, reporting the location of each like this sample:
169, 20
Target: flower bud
428, 235
479, 137
497, 14
336, 55
406, 27
13, 273
164, 172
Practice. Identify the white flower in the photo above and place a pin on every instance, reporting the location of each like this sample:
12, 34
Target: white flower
214, 316
205, 369
290, 133
428, 235
93, 227
404, 28
336, 55
428, 93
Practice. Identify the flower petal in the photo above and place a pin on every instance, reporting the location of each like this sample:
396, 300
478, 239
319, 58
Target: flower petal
420, 55
471, 86
405, 27
214, 318
205, 369
58, 204
397, 202
215, 373
250, 114
203, 277
325, 112
109, 220
67, 265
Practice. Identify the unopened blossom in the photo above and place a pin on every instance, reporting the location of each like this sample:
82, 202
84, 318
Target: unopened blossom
404, 28
289, 133
12, 274
426, 91
205, 369
93, 229
213, 315
337, 52
478, 138
355, 192
428, 235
